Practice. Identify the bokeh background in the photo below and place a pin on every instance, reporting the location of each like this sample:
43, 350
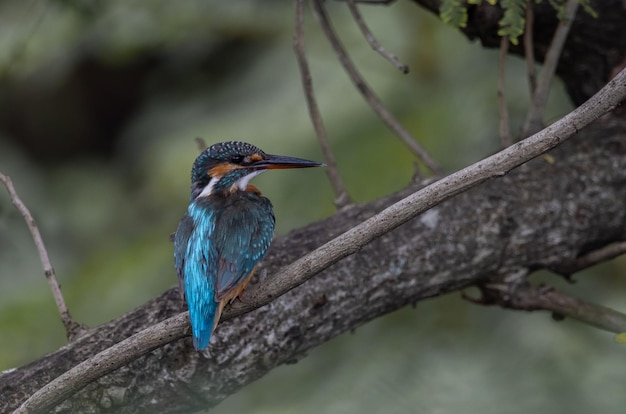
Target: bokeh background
100, 102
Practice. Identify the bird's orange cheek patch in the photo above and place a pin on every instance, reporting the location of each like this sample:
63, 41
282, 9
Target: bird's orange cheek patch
222, 169
256, 157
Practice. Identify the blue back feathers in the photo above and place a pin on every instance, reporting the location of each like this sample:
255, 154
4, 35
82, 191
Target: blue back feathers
217, 245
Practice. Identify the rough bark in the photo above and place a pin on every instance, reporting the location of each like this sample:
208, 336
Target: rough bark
542, 215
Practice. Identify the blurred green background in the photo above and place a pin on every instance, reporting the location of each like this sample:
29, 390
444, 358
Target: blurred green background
100, 102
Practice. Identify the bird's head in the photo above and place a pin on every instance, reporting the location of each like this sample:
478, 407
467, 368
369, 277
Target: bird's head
229, 166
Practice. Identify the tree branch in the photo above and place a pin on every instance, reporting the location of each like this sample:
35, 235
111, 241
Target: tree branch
534, 118
72, 328
591, 258
545, 298
342, 198
529, 54
505, 130
371, 40
344, 245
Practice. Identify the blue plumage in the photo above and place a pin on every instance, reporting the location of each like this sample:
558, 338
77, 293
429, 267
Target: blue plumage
229, 235
199, 281
226, 231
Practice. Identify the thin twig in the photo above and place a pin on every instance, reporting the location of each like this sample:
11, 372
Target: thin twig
505, 132
529, 45
534, 118
201, 144
72, 328
344, 245
369, 96
342, 198
601, 255
594, 257
523, 296
371, 40
530, 298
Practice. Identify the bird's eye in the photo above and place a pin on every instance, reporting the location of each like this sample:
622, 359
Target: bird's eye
236, 159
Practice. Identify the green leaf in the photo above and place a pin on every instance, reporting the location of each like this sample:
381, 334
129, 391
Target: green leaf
514, 20
453, 12
512, 24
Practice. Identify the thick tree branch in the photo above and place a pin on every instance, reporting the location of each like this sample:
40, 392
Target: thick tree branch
353, 240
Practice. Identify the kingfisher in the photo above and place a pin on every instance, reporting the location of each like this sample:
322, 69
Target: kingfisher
226, 230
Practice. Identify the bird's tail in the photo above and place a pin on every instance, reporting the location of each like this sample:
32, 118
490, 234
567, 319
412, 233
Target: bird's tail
203, 309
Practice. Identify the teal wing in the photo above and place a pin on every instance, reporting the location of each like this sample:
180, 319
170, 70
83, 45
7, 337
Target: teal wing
242, 235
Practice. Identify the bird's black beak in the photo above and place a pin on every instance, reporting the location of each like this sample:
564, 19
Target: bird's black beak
275, 162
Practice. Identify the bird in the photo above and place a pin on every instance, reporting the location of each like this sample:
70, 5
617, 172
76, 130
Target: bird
226, 230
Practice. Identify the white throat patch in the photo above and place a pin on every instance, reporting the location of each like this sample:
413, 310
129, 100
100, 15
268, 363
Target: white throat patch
243, 182
240, 184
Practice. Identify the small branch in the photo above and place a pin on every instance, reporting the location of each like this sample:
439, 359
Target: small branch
523, 296
371, 40
529, 298
505, 132
529, 45
601, 255
72, 328
344, 245
342, 198
201, 144
592, 258
534, 118
369, 96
